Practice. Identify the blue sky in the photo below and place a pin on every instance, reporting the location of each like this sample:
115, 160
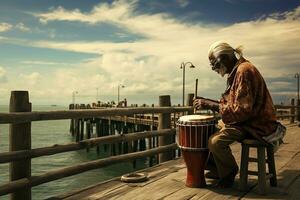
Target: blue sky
53, 48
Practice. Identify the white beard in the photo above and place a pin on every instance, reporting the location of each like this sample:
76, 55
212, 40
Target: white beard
222, 70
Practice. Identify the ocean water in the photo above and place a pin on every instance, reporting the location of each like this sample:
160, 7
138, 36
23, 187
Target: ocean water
48, 133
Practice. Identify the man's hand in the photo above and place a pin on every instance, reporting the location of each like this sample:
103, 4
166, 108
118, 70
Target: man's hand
202, 103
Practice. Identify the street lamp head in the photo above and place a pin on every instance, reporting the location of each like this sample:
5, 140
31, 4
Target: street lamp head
183, 64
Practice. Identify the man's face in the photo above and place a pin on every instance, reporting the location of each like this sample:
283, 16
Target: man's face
218, 66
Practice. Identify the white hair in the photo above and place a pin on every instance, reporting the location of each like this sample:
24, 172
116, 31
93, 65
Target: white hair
220, 47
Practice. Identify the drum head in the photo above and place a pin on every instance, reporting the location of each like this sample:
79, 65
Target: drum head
194, 119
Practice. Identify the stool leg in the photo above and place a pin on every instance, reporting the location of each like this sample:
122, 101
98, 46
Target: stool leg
261, 170
244, 167
271, 166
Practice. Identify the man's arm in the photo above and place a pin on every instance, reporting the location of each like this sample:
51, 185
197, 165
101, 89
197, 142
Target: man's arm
239, 108
204, 103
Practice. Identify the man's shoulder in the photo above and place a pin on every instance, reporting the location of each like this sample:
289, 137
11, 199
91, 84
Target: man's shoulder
247, 67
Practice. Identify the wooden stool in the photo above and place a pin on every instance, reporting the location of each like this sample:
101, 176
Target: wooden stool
261, 165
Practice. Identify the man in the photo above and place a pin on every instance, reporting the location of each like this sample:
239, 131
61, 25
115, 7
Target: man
246, 109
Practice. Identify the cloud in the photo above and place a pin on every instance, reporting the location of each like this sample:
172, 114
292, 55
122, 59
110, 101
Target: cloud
20, 26
289, 15
183, 3
104, 12
162, 32
265, 39
31, 79
41, 62
5, 27
150, 66
3, 77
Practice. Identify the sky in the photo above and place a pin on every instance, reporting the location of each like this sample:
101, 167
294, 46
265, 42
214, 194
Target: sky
55, 49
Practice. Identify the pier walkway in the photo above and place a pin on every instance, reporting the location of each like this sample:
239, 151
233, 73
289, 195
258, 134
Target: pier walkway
167, 180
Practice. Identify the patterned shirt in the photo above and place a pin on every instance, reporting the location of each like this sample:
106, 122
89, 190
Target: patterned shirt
247, 103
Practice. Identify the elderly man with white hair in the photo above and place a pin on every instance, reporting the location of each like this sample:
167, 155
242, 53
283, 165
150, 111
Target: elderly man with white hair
246, 109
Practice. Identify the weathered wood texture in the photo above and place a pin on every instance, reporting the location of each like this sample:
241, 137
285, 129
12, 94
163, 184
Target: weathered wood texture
46, 151
79, 114
20, 139
167, 181
165, 123
77, 169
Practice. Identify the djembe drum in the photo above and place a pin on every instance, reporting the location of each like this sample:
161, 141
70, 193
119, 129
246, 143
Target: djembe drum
193, 134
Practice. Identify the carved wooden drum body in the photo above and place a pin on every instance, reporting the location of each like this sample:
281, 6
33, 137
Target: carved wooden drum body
192, 137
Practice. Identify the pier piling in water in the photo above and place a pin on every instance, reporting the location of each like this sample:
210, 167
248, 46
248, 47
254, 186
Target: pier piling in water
72, 129
88, 131
98, 132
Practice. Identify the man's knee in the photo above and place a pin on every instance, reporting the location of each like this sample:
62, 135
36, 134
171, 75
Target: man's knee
214, 143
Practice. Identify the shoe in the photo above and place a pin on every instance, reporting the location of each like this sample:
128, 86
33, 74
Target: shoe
212, 174
227, 181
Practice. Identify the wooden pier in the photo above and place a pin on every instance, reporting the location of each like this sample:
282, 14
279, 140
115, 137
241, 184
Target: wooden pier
167, 180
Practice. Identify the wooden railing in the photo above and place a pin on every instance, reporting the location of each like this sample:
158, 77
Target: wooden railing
290, 112
20, 154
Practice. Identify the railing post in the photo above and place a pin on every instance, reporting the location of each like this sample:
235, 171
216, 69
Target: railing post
190, 98
20, 139
164, 122
292, 111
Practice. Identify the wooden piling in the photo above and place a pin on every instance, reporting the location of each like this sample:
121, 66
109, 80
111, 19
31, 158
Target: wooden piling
190, 99
20, 139
154, 145
81, 129
112, 132
77, 129
82, 106
135, 145
98, 133
125, 144
129, 128
151, 139
292, 111
164, 122
88, 131
119, 130
105, 126
71, 107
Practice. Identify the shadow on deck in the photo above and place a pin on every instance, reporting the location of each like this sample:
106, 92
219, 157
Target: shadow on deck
167, 180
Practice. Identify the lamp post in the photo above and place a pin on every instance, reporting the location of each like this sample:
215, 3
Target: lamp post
297, 77
298, 101
183, 64
119, 86
73, 96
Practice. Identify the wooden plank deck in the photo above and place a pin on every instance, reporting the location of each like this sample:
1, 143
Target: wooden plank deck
167, 180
